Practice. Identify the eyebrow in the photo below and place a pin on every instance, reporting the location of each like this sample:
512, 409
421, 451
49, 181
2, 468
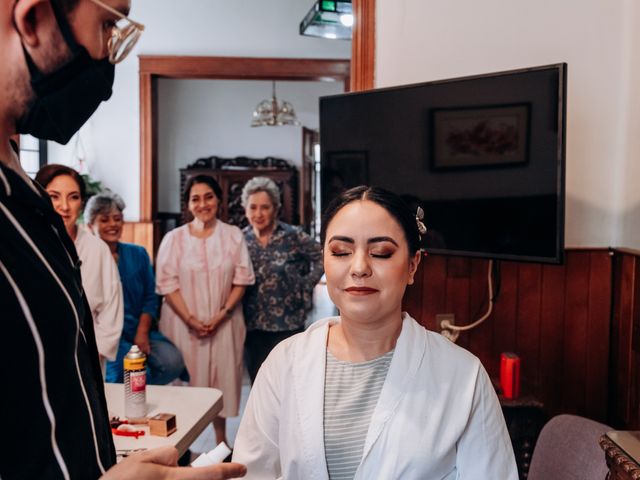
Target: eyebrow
382, 239
50, 191
340, 238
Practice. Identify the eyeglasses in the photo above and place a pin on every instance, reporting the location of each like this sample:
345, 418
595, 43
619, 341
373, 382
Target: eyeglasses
124, 34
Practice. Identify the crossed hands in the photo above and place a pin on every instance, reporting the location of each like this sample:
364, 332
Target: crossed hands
161, 464
202, 329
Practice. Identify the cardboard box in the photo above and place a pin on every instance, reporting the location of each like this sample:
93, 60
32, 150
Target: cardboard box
162, 424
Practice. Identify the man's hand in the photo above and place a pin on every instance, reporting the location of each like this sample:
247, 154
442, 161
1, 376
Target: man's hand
161, 463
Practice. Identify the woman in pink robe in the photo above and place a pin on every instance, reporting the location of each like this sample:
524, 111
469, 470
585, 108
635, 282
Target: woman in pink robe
202, 270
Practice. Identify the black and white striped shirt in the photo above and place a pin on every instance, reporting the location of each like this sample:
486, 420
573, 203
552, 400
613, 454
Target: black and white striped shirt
55, 421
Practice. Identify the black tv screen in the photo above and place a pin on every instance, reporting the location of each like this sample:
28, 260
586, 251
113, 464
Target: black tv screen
484, 156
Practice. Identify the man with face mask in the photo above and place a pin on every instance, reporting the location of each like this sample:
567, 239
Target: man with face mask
57, 62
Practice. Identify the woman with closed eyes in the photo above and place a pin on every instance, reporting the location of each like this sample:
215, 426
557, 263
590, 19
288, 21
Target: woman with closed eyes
371, 393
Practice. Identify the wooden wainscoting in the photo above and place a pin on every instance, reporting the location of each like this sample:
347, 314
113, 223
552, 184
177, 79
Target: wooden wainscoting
140, 233
624, 400
556, 318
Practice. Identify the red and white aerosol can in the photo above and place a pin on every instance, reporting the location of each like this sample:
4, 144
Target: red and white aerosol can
135, 383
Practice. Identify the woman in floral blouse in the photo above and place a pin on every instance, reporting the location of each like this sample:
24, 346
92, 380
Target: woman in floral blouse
287, 264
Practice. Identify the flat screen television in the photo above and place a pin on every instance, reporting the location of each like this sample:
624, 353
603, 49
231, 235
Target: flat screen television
483, 155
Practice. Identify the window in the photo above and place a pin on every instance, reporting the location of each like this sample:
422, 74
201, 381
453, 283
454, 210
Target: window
33, 154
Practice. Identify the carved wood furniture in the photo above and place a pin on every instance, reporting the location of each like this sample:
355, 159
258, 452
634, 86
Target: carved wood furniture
233, 173
524, 418
622, 452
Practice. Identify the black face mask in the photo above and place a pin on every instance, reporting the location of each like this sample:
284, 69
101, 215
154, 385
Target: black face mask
66, 98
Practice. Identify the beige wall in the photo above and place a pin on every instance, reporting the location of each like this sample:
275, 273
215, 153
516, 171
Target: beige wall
421, 40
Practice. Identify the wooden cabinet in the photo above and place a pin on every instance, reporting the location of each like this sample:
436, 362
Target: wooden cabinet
524, 418
233, 173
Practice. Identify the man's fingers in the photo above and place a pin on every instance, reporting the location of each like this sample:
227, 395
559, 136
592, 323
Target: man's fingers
161, 455
160, 464
219, 471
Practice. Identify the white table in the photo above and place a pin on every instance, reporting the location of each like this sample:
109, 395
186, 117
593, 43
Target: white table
194, 408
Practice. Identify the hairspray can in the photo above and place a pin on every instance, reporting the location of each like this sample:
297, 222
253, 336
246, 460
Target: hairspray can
135, 383
510, 375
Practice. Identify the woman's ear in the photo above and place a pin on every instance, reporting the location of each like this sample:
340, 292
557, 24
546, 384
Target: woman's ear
413, 266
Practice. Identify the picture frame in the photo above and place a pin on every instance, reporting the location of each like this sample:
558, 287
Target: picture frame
493, 136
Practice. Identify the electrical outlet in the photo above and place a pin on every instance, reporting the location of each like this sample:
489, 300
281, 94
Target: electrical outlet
450, 318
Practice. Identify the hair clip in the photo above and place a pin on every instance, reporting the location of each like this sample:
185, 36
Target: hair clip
419, 216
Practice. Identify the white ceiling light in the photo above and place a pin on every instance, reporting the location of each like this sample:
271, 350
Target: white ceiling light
346, 20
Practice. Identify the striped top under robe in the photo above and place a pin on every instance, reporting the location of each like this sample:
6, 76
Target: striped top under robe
351, 392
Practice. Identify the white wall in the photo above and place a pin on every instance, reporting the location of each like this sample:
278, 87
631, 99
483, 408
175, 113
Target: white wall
251, 28
629, 200
421, 40
200, 118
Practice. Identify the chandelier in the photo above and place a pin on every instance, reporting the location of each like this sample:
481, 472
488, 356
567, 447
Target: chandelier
273, 114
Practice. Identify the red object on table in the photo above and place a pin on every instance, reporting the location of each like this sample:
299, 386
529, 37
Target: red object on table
510, 375
126, 430
125, 433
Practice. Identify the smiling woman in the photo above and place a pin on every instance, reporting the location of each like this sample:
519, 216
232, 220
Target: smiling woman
397, 401
368, 269
104, 214
100, 278
287, 263
203, 268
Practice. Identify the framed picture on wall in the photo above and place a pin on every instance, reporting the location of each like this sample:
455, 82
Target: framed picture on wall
472, 137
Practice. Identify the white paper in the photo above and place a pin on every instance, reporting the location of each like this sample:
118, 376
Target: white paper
217, 455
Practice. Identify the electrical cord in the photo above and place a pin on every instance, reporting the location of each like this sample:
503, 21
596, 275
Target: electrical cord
452, 332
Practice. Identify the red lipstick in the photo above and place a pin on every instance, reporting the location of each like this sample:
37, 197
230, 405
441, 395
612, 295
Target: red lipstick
361, 290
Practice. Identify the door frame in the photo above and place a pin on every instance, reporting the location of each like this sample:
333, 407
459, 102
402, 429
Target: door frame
154, 67
357, 74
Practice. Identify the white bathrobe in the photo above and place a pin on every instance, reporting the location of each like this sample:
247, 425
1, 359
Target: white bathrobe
101, 283
437, 417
